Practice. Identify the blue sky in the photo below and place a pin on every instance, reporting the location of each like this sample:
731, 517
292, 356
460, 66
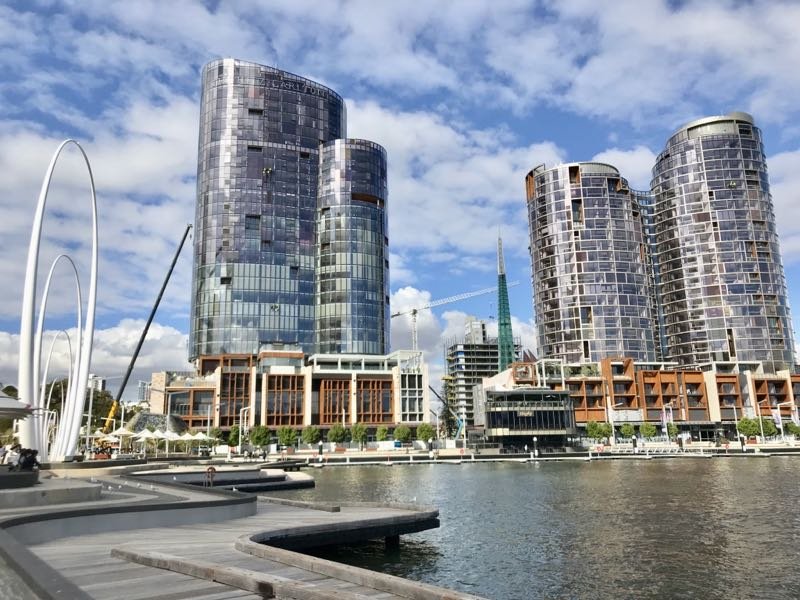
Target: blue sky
466, 97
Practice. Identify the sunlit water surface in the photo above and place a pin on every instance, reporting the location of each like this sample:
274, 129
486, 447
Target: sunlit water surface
681, 528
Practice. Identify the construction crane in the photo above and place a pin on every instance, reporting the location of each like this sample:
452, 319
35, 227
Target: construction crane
118, 399
414, 311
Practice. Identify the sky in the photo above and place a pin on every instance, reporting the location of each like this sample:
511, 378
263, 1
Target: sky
466, 96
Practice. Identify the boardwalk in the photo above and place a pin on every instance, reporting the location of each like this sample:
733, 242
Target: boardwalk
218, 560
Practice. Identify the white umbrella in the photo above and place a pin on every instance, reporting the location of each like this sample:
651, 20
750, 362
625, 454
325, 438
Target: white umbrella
171, 436
11, 408
98, 433
159, 435
122, 432
145, 434
110, 439
187, 437
201, 436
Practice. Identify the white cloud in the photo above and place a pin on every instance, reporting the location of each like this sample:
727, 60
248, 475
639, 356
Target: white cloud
451, 187
635, 165
163, 349
784, 183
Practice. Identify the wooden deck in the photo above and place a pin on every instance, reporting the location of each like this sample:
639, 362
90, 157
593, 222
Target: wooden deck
211, 561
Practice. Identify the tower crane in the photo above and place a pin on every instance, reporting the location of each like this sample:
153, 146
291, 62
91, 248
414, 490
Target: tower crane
458, 297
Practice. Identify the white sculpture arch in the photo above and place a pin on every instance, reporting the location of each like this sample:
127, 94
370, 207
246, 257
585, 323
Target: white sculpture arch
66, 439
38, 419
43, 409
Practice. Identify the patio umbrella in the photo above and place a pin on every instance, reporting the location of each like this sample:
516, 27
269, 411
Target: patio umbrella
11, 408
201, 436
110, 439
122, 432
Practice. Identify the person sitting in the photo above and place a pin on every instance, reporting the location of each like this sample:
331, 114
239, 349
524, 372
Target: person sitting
28, 460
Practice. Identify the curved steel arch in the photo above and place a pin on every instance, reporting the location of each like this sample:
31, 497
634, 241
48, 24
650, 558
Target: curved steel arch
41, 428
66, 441
37, 351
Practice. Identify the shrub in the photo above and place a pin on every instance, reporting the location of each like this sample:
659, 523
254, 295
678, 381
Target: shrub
425, 432
337, 433
287, 436
402, 433
259, 435
648, 430
311, 435
382, 433
627, 430
358, 433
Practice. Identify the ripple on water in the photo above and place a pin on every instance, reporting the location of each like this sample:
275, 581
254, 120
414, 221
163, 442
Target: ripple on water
712, 529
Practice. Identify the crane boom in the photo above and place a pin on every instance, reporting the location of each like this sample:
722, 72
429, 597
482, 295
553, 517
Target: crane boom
458, 297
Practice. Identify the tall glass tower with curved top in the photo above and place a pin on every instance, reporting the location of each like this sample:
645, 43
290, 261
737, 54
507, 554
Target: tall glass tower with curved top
591, 285
352, 312
722, 285
254, 246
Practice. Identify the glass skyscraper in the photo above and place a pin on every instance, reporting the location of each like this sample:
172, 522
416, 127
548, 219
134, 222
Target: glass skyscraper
592, 287
352, 310
255, 276
722, 285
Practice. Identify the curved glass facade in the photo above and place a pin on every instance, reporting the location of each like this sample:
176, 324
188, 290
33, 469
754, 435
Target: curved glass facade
592, 293
254, 238
722, 285
352, 313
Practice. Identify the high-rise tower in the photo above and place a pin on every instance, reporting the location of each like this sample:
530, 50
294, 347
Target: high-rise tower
352, 312
505, 338
261, 268
592, 294
257, 169
722, 285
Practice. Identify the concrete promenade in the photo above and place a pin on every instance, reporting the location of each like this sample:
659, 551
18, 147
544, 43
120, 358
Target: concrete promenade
150, 540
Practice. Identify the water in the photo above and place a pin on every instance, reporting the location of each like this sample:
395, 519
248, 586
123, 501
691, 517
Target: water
679, 528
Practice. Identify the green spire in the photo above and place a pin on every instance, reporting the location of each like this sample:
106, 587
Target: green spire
505, 339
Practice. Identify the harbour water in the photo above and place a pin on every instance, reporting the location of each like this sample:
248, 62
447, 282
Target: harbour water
723, 528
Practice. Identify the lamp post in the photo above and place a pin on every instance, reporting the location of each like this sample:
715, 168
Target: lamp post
610, 418
535, 451
89, 415
780, 418
242, 424
436, 415
760, 423
664, 408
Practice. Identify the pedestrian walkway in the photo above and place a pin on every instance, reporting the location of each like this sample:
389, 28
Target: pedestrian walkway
219, 559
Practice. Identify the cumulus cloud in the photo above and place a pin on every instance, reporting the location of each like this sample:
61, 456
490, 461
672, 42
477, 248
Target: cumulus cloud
635, 165
163, 349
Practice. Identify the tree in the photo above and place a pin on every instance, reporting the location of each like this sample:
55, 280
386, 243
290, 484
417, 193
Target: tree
311, 435
287, 436
597, 431
425, 432
382, 433
749, 427
647, 430
792, 429
259, 436
358, 433
233, 436
627, 430
769, 427
402, 433
672, 429
215, 433
337, 433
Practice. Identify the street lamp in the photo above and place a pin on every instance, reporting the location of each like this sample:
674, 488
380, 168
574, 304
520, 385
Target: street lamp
610, 418
535, 451
664, 408
242, 424
760, 422
780, 418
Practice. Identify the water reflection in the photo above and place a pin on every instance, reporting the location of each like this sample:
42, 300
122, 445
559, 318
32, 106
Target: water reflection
688, 528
